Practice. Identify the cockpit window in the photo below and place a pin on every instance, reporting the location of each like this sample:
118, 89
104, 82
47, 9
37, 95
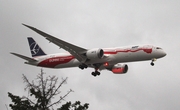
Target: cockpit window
158, 48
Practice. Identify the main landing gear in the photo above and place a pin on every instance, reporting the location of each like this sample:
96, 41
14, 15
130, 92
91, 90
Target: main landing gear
96, 73
82, 66
152, 62
96, 67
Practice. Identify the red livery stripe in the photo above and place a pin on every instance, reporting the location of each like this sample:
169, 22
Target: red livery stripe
128, 50
52, 62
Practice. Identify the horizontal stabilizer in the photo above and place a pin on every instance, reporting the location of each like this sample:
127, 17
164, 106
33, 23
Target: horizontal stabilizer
24, 57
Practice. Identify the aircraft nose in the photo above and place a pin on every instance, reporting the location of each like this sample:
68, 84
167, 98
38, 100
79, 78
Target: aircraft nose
163, 53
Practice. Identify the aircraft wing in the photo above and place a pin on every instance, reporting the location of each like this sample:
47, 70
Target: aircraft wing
76, 51
24, 57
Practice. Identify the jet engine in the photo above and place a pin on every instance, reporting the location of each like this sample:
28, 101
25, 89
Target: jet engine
119, 68
95, 53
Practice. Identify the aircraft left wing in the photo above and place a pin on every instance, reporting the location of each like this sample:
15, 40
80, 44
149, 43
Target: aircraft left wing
76, 51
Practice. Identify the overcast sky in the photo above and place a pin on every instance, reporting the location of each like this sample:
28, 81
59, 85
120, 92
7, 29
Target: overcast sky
91, 24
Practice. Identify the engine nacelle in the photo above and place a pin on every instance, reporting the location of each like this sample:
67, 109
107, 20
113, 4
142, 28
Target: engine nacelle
95, 53
119, 68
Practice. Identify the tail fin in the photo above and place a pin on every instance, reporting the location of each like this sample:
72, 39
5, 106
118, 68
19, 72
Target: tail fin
35, 48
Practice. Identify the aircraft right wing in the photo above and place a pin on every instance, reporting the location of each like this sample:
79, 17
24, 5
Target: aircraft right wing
76, 51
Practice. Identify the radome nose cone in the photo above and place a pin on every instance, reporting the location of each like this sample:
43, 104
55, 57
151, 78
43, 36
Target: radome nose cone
163, 54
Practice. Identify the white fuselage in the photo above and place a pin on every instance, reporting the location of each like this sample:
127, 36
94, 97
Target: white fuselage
111, 56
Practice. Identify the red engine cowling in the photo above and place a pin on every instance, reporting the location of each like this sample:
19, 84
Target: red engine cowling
119, 68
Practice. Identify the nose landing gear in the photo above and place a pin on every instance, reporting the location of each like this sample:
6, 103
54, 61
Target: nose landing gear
152, 62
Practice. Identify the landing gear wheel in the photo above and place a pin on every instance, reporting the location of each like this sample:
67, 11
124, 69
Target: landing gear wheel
97, 73
152, 64
94, 74
81, 67
153, 60
85, 66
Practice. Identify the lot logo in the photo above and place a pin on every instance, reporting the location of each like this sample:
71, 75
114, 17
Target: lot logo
34, 48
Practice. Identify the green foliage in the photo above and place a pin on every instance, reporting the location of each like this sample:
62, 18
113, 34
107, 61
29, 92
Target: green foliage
75, 106
43, 92
20, 103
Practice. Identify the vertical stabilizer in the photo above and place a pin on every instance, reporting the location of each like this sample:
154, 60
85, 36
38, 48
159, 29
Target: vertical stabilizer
35, 48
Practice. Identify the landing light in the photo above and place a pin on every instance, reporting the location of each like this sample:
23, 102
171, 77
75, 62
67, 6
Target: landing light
106, 64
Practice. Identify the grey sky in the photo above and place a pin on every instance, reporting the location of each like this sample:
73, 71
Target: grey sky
91, 24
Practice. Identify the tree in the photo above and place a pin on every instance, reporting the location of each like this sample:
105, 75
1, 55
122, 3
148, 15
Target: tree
75, 106
41, 93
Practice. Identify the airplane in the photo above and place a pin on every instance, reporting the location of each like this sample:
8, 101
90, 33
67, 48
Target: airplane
98, 58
